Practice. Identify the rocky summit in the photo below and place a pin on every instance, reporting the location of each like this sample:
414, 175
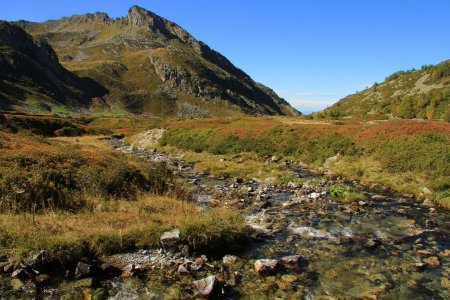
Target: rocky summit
139, 64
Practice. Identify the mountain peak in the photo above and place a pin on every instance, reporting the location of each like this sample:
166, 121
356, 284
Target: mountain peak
150, 65
138, 16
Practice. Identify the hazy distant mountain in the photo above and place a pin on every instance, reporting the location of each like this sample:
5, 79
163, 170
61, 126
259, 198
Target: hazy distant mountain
146, 65
423, 93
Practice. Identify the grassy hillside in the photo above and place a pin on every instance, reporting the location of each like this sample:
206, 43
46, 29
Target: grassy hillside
423, 94
65, 193
406, 155
151, 66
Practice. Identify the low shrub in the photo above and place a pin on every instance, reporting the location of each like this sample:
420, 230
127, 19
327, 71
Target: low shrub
425, 152
346, 193
280, 141
65, 179
69, 131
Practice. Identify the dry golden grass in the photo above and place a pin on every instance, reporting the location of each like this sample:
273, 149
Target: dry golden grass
104, 224
369, 170
244, 165
87, 142
116, 226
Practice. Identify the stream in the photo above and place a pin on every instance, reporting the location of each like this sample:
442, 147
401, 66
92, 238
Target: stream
387, 246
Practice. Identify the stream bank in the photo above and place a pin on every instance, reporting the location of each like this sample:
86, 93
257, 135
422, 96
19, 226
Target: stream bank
305, 245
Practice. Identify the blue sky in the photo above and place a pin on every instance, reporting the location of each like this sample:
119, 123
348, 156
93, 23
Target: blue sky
311, 52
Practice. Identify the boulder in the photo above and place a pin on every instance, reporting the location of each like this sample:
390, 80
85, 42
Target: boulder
128, 270
36, 261
170, 239
291, 260
229, 260
183, 269
205, 287
420, 265
83, 270
266, 265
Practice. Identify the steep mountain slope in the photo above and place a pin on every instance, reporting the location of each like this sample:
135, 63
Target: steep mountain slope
152, 66
32, 79
423, 93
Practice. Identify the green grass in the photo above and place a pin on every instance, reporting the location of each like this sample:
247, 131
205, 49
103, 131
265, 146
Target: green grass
345, 193
280, 140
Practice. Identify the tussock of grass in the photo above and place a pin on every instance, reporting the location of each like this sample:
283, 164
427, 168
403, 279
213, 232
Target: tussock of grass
117, 226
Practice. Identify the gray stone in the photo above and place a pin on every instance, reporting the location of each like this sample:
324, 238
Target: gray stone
229, 260
37, 260
19, 273
266, 265
183, 269
83, 270
314, 195
205, 287
170, 239
291, 260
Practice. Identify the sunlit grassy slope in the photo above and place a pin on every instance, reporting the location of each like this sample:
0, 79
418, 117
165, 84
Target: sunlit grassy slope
423, 93
406, 155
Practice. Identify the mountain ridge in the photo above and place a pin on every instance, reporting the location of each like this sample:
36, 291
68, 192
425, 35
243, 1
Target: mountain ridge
26, 63
152, 66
